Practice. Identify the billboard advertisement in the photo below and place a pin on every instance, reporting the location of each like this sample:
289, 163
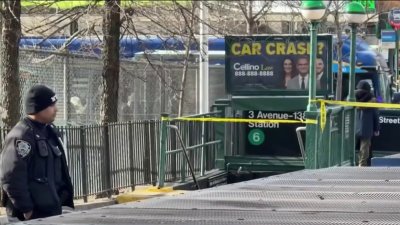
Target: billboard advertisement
276, 63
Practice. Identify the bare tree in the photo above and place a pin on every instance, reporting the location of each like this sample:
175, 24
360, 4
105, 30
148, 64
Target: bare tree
171, 20
177, 20
253, 13
334, 9
227, 17
384, 6
11, 33
111, 61
189, 19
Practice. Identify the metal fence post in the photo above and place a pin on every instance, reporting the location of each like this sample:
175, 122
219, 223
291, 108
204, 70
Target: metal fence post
131, 157
311, 153
153, 152
83, 164
352, 138
147, 157
107, 159
163, 150
203, 148
173, 156
186, 132
66, 87
219, 129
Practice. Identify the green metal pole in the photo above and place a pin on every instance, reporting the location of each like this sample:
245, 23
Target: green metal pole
163, 151
396, 63
352, 98
312, 106
220, 135
352, 80
311, 113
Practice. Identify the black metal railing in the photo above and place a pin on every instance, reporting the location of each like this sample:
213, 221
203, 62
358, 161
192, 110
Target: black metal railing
105, 158
197, 137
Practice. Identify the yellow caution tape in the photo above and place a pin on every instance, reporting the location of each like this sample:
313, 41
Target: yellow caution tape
362, 104
353, 104
323, 116
238, 120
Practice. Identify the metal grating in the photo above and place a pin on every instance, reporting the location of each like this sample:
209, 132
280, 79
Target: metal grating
321, 197
220, 217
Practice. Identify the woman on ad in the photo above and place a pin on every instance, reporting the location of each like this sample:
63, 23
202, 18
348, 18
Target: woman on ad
288, 71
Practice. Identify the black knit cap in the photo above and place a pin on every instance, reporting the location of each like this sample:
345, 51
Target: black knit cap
363, 92
38, 98
364, 85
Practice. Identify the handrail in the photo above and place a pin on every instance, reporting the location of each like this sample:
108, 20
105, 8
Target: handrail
334, 109
163, 146
184, 153
194, 146
301, 143
201, 115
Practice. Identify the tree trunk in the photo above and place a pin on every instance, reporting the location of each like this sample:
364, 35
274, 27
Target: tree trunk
250, 20
184, 78
190, 24
9, 50
111, 62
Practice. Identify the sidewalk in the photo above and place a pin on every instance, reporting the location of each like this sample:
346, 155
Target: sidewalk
145, 192
79, 206
140, 193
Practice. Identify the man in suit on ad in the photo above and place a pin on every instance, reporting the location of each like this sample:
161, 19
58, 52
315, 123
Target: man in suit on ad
300, 81
321, 79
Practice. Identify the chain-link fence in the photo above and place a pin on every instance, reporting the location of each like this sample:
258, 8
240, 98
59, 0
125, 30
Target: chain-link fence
145, 89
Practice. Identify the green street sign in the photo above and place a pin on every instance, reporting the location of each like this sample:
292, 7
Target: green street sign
256, 137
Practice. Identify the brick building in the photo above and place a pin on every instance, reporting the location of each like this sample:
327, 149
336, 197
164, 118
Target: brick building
384, 6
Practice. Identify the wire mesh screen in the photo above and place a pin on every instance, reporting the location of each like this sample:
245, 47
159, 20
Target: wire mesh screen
146, 89
43, 68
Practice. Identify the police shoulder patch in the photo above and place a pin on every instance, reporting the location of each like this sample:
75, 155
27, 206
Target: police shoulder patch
23, 148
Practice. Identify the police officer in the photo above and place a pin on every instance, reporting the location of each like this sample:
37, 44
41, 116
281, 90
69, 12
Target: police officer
34, 176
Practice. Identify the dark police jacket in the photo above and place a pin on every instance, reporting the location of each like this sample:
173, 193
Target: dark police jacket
33, 171
367, 122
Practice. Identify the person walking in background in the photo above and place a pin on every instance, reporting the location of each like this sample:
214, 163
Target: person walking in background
288, 71
367, 121
34, 176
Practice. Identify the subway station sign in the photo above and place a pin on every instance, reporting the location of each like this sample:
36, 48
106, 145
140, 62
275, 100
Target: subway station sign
389, 125
272, 139
259, 64
388, 39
